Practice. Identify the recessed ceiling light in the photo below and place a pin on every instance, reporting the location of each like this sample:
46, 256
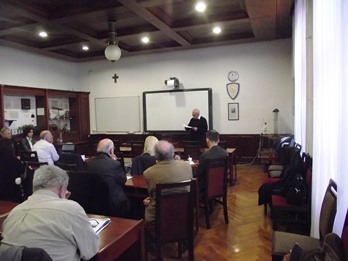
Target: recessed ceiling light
216, 30
145, 39
85, 48
43, 34
200, 6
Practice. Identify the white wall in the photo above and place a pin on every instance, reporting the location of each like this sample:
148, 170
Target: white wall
264, 69
265, 77
32, 70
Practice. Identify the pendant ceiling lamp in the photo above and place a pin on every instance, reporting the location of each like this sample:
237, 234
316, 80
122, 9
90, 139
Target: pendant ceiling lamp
112, 51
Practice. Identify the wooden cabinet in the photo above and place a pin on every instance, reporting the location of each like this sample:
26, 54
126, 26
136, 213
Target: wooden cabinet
70, 120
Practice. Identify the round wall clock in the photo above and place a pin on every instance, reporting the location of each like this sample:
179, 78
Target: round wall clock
233, 76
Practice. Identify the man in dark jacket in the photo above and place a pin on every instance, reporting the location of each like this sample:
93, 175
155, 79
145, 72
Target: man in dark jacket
215, 152
112, 176
198, 127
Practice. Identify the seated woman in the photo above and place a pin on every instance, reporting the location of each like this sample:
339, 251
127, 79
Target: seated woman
26, 143
146, 159
10, 169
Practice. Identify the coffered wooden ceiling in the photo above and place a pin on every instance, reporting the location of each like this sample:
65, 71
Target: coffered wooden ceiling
171, 25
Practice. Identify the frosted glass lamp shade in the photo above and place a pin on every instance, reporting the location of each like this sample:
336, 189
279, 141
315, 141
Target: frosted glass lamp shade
112, 52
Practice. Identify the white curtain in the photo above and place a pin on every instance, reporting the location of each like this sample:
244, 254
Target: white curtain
343, 126
299, 47
327, 100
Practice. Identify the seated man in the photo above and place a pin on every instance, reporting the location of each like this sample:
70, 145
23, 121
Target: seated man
46, 151
49, 221
215, 152
167, 170
109, 169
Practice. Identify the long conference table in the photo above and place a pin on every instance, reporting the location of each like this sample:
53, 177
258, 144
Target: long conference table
232, 160
122, 240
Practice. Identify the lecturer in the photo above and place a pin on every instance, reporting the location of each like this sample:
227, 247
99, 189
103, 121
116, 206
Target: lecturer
198, 126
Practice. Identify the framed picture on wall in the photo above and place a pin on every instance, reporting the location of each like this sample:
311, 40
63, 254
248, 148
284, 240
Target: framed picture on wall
233, 111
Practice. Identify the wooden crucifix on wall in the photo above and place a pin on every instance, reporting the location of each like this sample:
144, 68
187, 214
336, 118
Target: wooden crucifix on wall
115, 77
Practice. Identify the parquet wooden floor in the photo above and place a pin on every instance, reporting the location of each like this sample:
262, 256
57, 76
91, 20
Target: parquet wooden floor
247, 237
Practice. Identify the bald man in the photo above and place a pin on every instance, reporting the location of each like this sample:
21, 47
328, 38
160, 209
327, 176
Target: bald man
167, 170
199, 127
45, 149
111, 173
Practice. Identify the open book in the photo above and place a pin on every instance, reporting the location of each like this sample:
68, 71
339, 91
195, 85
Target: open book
98, 224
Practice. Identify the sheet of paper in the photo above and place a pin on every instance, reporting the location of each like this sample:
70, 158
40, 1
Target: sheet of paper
186, 126
98, 224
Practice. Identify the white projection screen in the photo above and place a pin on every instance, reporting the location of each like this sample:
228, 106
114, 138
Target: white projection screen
167, 111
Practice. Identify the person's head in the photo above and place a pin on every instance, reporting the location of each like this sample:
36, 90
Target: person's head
212, 137
164, 150
52, 178
6, 147
46, 135
195, 113
6, 133
149, 145
106, 146
28, 132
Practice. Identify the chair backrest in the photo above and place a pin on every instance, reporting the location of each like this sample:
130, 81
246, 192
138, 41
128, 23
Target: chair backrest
80, 186
27, 183
137, 148
174, 211
70, 161
216, 178
68, 148
191, 149
30, 156
23, 253
223, 144
328, 210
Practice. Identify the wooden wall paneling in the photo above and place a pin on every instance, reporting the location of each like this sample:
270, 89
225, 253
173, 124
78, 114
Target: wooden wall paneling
84, 120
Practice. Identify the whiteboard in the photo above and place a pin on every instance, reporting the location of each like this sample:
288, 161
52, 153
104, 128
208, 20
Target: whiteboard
117, 114
167, 111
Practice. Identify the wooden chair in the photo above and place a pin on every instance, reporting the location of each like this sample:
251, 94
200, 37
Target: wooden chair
294, 216
70, 161
68, 148
29, 156
215, 188
282, 242
81, 188
171, 199
191, 149
294, 166
27, 179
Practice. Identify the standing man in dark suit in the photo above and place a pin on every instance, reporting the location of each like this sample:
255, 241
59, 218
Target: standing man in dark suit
215, 152
106, 165
199, 127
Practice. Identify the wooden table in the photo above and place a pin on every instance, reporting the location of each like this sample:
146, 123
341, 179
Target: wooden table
122, 239
6, 206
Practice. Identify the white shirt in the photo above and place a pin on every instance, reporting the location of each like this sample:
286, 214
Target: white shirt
46, 152
59, 226
30, 142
